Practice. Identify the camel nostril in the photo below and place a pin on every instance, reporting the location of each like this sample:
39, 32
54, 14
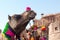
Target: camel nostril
35, 14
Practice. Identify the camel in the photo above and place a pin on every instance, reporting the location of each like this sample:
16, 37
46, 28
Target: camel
17, 23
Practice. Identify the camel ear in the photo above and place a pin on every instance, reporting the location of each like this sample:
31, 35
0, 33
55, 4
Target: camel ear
9, 17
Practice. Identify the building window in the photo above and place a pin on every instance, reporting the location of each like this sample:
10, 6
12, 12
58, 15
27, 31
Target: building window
56, 28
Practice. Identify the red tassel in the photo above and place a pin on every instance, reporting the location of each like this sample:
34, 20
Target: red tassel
28, 9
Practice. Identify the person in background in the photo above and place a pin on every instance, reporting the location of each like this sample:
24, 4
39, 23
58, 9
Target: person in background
22, 37
28, 35
32, 37
42, 38
1, 37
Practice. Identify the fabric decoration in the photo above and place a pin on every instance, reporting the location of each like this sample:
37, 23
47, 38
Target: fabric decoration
43, 28
7, 32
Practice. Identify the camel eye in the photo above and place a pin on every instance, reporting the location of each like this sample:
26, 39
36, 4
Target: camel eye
17, 17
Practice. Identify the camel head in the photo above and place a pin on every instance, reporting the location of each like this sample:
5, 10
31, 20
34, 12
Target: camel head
18, 22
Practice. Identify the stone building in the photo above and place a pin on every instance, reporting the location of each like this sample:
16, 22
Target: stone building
54, 31
52, 23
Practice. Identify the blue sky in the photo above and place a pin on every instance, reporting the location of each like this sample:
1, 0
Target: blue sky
9, 7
